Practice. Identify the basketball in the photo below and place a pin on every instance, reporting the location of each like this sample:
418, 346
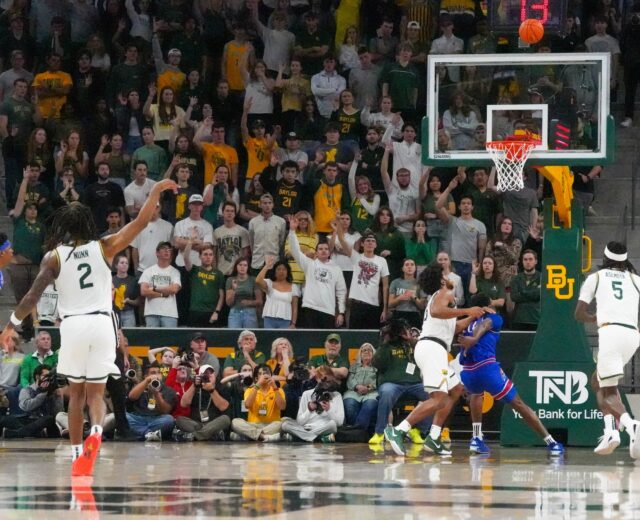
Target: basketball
531, 31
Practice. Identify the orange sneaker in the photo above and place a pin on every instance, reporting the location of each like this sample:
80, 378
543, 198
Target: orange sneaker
82, 498
83, 465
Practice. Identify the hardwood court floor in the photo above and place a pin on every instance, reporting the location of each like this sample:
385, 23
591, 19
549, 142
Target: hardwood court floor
328, 482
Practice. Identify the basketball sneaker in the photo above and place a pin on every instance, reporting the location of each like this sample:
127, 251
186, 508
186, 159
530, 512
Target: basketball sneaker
608, 442
445, 437
414, 435
477, 445
634, 440
378, 438
395, 438
82, 498
556, 449
436, 447
83, 465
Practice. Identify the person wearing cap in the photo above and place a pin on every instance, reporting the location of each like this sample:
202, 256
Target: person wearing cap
331, 358
198, 345
207, 402
245, 353
292, 152
169, 73
159, 285
258, 143
326, 86
383, 45
311, 45
369, 284
206, 288
614, 287
138, 190
193, 229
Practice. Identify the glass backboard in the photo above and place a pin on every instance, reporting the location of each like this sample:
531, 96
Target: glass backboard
564, 97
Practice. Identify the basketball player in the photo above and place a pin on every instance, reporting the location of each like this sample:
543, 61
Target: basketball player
80, 265
6, 255
481, 373
616, 289
430, 354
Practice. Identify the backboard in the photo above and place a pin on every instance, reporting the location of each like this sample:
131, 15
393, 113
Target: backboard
562, 97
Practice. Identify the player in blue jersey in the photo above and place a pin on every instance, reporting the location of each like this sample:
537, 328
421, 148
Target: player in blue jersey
482, 373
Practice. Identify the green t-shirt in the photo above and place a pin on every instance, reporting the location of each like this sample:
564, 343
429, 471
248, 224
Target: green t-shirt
421, 254
402, 83
237, 359
244, 291
360, 218
525, 292
156, 159
28, 239
205, 289
321, 360
391, 360
20, 116
493, 290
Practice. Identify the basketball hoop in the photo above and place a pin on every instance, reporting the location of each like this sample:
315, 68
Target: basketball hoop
509, 156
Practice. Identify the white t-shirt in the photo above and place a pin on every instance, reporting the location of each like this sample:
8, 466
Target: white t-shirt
146, 242
343, 261
367, 277
617, 294
183, 230
278, 304
157, 276
403, 202
136, 195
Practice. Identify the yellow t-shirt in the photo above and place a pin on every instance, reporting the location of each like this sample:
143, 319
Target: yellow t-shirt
307, 243
327, 202
214, 155
235, 52
163, 130
171, 78
294, 93
50, 106
264, 409
259, 153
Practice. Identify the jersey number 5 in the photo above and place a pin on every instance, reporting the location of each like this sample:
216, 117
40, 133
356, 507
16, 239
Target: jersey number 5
83, 279
617, 290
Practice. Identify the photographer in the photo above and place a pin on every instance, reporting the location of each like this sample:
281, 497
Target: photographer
40, 402
179, 379
236, 385
321, 411
152, 405
208, 402
264, 402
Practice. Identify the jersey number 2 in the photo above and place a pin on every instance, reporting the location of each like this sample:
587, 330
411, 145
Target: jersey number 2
617, 290
87, 271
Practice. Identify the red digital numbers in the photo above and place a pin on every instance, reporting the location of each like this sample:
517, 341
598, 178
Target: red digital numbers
538, 10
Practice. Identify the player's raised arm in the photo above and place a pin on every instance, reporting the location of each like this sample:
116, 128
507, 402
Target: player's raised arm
49, 268
115, 243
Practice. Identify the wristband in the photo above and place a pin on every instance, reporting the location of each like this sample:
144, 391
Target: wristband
14, 320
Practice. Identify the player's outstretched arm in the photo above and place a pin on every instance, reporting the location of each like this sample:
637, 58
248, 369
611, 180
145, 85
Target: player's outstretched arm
112, 244
441, 309
49, 268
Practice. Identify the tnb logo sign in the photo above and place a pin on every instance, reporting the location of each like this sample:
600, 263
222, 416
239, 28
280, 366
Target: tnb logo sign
568, 386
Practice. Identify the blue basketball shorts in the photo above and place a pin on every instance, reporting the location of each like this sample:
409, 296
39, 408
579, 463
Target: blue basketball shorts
487, 376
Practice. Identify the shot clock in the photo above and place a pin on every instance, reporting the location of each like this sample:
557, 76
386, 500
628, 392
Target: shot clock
505, 16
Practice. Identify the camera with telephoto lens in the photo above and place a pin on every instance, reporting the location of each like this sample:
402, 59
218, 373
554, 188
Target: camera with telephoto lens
246, 380
299, 372
189, 357
54, 380
155, 384
130, 374
322, 393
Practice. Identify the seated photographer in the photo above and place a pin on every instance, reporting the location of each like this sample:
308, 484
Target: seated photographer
361, 398
236, 385
166, 358
179, 379
281, 358
152, 403
208, 403
198, 345
39, 404
321, 411
264, 402
331, 358
298, 380
398, 376
246, 353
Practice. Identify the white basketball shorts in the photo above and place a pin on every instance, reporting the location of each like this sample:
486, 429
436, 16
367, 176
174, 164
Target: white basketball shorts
616, 347
88, 348
433, 361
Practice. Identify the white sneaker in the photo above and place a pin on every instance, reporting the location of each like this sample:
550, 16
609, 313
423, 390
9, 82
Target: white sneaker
235, 437
275, 437
628, 122
634, 440
608, 442
153, 436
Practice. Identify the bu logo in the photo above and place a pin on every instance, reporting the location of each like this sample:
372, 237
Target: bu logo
558, 281
568, 386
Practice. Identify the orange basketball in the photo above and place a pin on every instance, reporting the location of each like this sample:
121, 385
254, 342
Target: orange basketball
531, 31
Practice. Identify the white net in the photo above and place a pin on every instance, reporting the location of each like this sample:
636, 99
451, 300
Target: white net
509, 158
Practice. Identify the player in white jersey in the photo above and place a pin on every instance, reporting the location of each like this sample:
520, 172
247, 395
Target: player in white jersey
616, 290
79, 262
431, 356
